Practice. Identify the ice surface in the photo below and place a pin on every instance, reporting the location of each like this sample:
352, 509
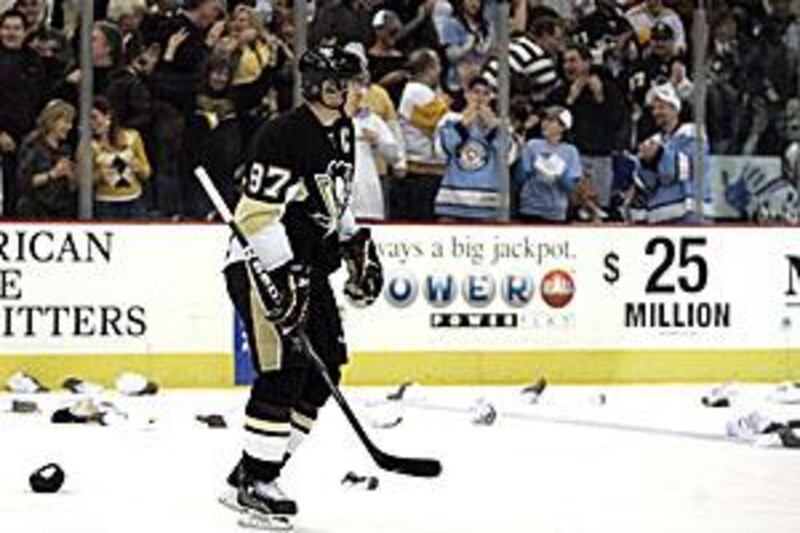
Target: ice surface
650, 460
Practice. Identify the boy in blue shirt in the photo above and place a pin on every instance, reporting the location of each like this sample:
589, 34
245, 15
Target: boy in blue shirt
549, 170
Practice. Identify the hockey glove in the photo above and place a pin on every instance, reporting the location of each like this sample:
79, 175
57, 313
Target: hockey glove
290, 310
365, 279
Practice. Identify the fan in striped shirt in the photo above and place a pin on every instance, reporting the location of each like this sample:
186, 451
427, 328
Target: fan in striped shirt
531, 59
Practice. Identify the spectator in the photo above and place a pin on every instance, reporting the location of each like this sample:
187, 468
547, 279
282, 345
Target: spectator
471, 142
421, 108
258, 57
120, 165
273, 23
342, 21
661, 63
465, 35
532, 61
283, 20
65, 16
374, 140
132, 101
386, 61
771, 78
108, 50
379, 102
35, 13
46, 171
666, 163
608, 35
791, 35
213, 138
723, 113
756, 18
186, 48
128, 16
549, 170
195, 31
129, 91
569, 10
791, 154
159, 22
53, 49
644, 17
418, 30
107, 59
257, 52
249, 41
599, 114
22, 78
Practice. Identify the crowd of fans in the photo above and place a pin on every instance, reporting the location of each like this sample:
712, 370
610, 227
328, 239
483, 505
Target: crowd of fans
601, 103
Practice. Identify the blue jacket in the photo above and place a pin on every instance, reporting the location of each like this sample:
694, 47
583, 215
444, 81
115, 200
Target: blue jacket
669, 182
471, 182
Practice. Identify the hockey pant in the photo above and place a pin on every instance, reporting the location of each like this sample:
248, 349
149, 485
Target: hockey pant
288, 391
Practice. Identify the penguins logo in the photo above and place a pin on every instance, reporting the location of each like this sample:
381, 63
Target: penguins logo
335, 188
472, 156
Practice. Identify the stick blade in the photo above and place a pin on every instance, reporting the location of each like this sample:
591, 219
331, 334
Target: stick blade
409, 466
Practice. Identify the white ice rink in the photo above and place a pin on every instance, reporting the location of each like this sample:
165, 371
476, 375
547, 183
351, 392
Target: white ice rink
650, 460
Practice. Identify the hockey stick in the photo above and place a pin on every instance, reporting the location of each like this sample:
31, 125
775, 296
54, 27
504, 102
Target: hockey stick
392, 463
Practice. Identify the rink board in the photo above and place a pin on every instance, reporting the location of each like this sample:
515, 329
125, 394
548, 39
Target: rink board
93, 301
461, 304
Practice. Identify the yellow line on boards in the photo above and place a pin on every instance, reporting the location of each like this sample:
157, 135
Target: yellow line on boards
437, 368
574, 366
168, 370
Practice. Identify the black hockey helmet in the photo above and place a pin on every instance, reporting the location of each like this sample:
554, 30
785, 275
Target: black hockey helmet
326, 63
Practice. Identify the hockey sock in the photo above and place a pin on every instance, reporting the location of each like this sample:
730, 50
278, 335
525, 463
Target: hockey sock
266, 437
302, 419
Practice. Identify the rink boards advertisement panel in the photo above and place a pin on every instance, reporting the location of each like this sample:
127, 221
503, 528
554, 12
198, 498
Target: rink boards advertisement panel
461, 304
94, 300
584, 304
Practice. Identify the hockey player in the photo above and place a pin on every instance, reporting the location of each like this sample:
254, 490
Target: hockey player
297, 180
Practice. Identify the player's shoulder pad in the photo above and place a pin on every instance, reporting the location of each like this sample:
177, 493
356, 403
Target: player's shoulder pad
269, 139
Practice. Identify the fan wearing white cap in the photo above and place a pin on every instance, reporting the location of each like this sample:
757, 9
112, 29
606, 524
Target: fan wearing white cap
386, 61
666, 167
549, 171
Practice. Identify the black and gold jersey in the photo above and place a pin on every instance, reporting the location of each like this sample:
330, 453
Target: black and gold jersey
296, 182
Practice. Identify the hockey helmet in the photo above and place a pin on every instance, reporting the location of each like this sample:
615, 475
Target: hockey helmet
323, 63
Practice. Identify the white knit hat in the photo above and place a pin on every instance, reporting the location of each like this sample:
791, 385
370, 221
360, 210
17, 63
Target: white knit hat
666, 93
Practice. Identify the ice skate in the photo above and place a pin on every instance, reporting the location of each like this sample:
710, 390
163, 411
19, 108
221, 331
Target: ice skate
266, 506
230, 495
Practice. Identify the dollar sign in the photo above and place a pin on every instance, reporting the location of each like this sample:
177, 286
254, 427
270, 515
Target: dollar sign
611, 262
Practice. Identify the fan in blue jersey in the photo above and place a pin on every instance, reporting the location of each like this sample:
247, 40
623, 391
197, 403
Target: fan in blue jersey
474, 150
666, 163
